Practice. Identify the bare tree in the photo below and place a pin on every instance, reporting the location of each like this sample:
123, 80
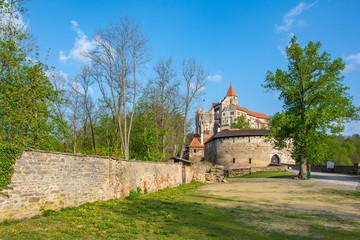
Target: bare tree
167, 90
120, 52
61, 105
194, 76
85, 80
74, 102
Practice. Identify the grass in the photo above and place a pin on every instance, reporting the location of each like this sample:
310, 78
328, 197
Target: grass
178, 213
269, 174
343, 193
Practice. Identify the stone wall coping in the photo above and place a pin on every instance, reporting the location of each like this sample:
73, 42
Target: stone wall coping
94, 156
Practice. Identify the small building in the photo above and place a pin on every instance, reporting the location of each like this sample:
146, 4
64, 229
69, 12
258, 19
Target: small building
196, 149
243, 149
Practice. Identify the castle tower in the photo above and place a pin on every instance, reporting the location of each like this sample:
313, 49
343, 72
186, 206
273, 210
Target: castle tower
231, 95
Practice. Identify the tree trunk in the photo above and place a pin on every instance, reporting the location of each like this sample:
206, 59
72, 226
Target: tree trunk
184, 136
303, 169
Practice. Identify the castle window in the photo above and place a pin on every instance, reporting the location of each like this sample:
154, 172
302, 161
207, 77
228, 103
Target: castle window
249, 160
233, 160
194, 150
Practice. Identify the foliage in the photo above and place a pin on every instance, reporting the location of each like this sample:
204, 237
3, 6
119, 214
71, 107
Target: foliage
241, 123
8, 156
134, 194
316, 102
342, 150
26, 93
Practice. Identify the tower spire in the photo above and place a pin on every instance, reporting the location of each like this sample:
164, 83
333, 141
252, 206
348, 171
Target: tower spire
231, 91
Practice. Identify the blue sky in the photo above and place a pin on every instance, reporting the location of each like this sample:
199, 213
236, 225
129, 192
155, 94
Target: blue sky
236, 41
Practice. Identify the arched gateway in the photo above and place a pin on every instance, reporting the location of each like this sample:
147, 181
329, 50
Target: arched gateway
275, 160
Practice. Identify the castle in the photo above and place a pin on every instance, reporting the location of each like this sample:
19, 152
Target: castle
234, 149
223, 114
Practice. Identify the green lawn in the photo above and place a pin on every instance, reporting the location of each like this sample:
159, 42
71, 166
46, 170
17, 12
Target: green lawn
270, 174
174, 213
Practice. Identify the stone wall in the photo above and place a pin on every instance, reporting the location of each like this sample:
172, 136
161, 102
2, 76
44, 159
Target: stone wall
245, 171
46, 180
243, 152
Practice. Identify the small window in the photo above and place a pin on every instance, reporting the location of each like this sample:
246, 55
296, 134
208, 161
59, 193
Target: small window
249, 160
232, 113
233, 160
194, 150
223, 114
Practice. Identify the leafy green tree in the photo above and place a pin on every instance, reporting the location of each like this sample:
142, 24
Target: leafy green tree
26, 94
316, 102
241, 123
146, 139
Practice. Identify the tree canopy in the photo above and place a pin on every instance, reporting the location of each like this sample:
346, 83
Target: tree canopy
241, 123
316, 102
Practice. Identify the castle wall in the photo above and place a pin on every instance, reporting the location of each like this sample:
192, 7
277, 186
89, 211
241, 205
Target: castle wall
236, 152
46, 180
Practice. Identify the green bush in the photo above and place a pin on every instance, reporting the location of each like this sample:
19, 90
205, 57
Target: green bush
8, 155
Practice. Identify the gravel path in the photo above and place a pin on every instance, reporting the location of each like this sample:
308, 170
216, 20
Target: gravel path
335, 180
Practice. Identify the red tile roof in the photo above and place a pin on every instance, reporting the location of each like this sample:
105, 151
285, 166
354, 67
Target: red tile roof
196, 142
231, 92
229, 129
254, 114
214, 105
251, 113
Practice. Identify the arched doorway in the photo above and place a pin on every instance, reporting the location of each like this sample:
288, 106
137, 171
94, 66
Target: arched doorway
275, 160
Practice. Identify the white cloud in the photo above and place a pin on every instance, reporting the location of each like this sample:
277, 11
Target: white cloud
215, 78
64, 75
352, 62
62, 57
290, 17
193, 86
282, 50
81, 46
352, 128
76, 87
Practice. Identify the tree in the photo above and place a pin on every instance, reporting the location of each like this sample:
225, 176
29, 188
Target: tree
26, 93
121, 50
74, 102
241, 123
60, 125
85, 81
194, 76
316, 102
165, 91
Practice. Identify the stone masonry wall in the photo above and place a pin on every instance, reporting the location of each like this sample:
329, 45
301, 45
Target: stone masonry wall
236, 152
45, 180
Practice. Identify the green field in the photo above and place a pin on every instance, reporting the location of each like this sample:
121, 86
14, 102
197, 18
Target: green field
186, 212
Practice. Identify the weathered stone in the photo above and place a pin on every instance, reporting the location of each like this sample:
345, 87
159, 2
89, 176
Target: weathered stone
34, 199
65, 180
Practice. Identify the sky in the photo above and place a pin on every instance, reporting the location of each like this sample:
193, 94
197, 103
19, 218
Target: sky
236, 41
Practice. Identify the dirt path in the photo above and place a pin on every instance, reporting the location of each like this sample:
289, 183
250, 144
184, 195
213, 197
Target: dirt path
293, 196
